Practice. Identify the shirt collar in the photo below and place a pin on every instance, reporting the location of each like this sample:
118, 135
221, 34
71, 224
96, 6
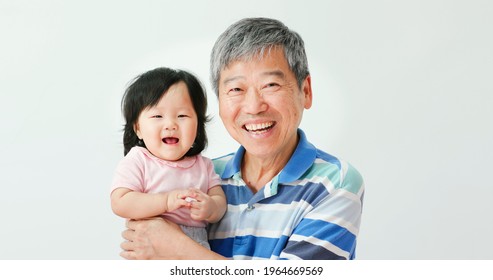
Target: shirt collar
184, 163
301, 160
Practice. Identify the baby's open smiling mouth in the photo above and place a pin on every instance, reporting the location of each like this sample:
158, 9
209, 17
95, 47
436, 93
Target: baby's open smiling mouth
170, 140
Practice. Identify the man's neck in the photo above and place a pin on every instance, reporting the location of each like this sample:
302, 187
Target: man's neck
258, 171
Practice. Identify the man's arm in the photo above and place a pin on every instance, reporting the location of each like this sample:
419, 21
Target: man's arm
160, 239
330, 229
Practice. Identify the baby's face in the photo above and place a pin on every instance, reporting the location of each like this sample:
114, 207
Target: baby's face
169, 128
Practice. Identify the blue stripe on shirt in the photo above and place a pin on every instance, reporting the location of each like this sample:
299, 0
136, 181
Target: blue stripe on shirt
249, 245
311, 193
308, 251
337, 235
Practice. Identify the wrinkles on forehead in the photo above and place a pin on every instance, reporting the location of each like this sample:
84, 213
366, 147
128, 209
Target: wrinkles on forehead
275, 73
255, 54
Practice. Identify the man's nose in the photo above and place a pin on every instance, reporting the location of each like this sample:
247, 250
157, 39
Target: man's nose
254, 103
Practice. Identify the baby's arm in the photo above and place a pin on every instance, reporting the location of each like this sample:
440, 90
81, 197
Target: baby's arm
131, 204
208, 207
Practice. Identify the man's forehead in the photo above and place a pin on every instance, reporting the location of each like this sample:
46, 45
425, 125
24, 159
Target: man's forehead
267, 73
271, 64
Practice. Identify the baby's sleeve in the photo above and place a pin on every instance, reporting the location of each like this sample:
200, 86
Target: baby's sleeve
129, 173
214, 179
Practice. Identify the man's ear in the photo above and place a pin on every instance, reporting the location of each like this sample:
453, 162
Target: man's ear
307, 92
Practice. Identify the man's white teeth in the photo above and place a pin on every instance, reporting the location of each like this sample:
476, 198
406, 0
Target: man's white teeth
258, 126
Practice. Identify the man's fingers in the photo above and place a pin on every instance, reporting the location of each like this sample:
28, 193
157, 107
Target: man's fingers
127, 245
131, 224
128, 235
129, 255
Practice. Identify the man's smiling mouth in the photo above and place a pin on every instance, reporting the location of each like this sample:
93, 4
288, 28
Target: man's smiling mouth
259, 127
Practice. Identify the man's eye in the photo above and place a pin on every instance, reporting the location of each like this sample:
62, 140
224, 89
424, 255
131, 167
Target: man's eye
271, 86
235, 91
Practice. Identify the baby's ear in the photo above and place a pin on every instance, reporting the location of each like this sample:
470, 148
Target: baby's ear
137, 130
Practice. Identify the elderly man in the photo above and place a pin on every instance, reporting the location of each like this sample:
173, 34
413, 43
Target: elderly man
286, 199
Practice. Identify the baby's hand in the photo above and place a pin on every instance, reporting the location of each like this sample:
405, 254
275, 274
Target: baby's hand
189, 199
177, 199
202, 206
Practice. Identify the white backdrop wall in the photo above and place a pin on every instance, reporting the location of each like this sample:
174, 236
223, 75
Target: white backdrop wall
402, 89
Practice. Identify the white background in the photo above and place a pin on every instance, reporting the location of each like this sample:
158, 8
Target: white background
402, 90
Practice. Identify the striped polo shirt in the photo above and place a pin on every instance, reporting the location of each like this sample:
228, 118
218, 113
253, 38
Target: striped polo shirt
310, 210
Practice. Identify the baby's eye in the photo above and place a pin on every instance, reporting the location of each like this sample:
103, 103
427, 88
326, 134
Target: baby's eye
182, 116
157, 116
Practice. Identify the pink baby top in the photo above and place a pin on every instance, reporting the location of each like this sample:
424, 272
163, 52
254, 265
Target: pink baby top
141, 171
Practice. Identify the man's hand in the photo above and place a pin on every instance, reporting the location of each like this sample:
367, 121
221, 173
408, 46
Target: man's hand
144, 239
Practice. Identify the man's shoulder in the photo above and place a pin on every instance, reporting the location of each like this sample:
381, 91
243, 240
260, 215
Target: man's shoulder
220, 162
341, 173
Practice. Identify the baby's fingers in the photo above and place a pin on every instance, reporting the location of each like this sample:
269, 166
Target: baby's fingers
190, 199
197, 215
182, 202
200, 195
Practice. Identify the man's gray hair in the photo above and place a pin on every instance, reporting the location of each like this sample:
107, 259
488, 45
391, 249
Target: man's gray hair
251, 38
